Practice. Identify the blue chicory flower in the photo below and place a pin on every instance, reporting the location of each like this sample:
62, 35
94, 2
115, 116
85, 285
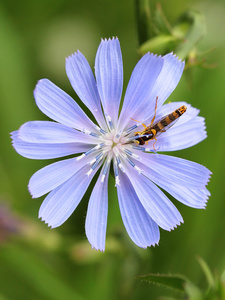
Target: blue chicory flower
139, 171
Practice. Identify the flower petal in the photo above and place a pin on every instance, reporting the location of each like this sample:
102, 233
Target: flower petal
196, 198
59, 106
154, 201
83, 82
109, 76
183, 179
53, 175
164, 85
139, 89
174, 170
96, 219
143, 231
46, 151
186, 132
181, 137
51, 132
62, 201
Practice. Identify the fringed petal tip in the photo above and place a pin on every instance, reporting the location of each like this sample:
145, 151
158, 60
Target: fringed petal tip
178, 59
40, 81
13, 134
153, 55
114, 38
209, 177
97, 249
169, 54
94, 245
77, 52
31, 193
175, 226
155, 244
46, 222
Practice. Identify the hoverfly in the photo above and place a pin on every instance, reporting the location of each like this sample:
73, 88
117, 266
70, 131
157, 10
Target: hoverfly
152, 131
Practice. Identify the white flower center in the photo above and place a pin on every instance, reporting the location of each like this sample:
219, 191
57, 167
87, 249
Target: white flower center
113, 147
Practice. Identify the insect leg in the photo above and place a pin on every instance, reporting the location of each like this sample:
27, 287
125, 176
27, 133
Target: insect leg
153, 119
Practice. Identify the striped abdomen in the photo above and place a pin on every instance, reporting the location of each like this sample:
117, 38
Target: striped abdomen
151, 131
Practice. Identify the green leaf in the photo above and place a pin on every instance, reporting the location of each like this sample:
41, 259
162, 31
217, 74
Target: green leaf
161, 22
145, 25
193, 292
159, 44
207, 272
197, 30
176, 282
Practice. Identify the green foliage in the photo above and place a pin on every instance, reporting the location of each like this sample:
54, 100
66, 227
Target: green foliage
215, 289
39, 263
157, 35
175, 282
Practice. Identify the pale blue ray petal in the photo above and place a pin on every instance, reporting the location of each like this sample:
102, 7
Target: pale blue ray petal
53, 175
46, 151
165, 84
187, 193
109, 76
139, 89
174, 170
62, 201
155, 202
181, 136
83, 82
96, 219
196, 198
143, 231
51, 132
59, 106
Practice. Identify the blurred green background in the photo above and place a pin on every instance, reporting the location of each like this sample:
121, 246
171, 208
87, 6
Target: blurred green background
39, 263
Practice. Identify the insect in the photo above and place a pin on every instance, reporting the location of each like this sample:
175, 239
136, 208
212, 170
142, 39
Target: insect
150, 132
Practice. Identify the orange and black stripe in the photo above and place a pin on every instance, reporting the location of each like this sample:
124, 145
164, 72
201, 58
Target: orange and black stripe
151, 131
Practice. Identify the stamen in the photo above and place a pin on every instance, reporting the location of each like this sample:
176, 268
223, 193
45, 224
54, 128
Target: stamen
100, 129
118, 135
89, 172
131, 128
103, 178
135, 137
143, 149
138, 148
151, 150
130, 162
91, 151
109, 122
116, 172
119, 164
106, 168
80, 157
132, 154
94, 165
94, 134
138, 169
90, 133
96, 158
